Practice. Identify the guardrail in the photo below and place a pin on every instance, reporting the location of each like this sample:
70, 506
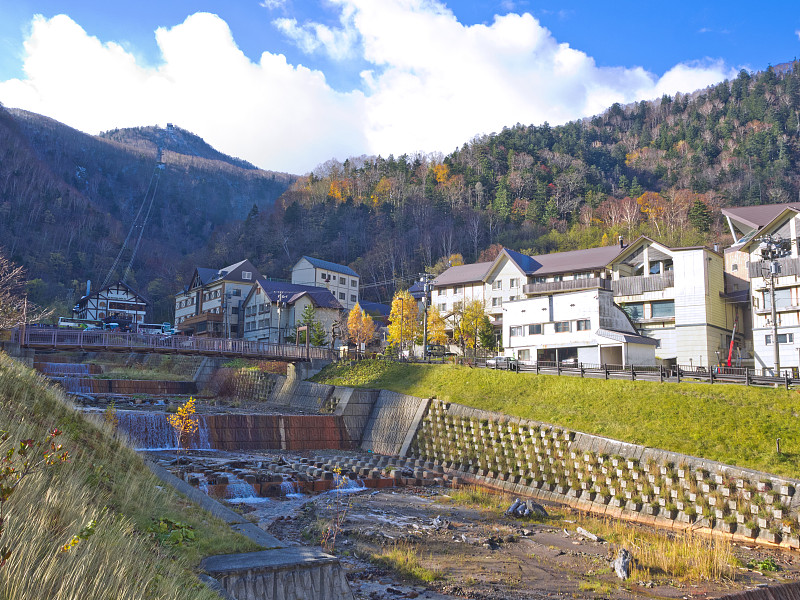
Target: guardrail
735, 375
68, 339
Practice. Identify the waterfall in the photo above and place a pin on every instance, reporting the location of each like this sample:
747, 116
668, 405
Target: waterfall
152, 431
243, 493
63, 369
74, 385
345, 484
290, 489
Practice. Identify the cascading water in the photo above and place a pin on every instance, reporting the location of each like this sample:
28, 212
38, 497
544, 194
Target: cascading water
152, 431
73, 377
242, 492
61, 369
290, 489
345, 484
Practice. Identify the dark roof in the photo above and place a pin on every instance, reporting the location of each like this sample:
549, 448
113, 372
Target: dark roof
574, 260
758, 216
463, 274
375, 308
125, 285
626, 337
324, 264
282, 291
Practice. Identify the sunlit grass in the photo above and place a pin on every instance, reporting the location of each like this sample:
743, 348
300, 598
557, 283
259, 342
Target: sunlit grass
105, 481
403, 559
729, 423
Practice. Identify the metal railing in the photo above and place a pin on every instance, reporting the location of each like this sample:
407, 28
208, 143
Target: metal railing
678, 373
68, 339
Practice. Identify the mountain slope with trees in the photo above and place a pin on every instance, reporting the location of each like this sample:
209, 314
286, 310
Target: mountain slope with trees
67, 201
663, 168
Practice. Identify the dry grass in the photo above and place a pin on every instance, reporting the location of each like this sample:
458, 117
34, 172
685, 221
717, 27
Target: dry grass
104, 481
403, 559
684, 556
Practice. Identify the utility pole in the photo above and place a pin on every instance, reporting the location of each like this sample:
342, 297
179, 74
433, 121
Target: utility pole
771, 251
425, 279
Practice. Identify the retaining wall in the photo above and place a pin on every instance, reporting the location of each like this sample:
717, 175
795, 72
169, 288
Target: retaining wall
355, 406
275, 432
130, 387
392, 423
608, 476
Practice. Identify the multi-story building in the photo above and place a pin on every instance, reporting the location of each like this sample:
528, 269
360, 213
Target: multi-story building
272, 309
211, 304
677, 296
116, 303
342, 281
767, 245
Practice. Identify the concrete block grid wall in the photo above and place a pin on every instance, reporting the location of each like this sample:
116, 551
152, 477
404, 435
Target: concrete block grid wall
607, 476
280, 391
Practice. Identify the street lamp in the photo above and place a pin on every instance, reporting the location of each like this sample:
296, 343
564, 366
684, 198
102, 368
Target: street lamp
425, 279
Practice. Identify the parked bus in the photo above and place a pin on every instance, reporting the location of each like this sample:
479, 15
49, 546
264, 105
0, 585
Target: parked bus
154, 328
70, 323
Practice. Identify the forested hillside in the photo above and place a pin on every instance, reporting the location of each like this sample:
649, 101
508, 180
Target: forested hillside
67, 201
662, 168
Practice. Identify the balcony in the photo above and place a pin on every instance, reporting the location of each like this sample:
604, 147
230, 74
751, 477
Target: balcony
570, 285
634, 286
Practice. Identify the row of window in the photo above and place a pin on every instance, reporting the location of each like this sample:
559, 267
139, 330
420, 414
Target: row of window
558, 327
331, 277
663, 309
187, 302
783, 338
353, 297
260, 309
253, 325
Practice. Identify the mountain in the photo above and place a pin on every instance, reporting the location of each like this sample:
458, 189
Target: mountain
662, 168
67, 202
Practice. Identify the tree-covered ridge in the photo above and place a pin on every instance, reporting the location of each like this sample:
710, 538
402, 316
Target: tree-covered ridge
663, 168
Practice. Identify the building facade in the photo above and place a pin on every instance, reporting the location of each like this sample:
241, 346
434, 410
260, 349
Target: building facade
343, 282
116, 303
272, 310
211, 304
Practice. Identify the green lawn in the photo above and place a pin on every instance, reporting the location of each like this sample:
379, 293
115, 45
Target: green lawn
729, 423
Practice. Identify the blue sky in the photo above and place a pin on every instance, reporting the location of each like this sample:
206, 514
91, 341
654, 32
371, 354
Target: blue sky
288, 84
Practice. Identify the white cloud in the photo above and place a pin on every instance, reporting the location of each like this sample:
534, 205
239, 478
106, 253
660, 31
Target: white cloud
273, 4
797, 33
278, 116
434, 83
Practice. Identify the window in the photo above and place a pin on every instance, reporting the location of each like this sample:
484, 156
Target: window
353, 298
535, 329
783, 338
247, 275
735, 267
497, 302
539, 279
783, 299
558, 278
562, 326
511, 298
458, 289
514, 282
342, 281
440, 292
341, 295
443, 307
353, 283
635, 310
663, 310
515, 331
236, 292
497, 284
524, 355
584, 275
234, 310
584, 325
457, 305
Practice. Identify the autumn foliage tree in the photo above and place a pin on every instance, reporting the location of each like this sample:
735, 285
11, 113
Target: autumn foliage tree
186, 423
404, 324
436, 327
360, 326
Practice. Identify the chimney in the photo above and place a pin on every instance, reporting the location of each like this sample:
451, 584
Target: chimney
621, 242
716, 247
88, 286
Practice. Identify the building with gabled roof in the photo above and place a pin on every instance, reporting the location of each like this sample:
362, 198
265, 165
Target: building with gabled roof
272, 309
342, 281
115, 303
210, 304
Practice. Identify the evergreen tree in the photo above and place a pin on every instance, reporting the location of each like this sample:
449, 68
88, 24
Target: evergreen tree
700, 216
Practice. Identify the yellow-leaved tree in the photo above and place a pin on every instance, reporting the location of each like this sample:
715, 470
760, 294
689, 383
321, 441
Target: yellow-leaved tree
185, 422
468, 324
360, 326
436, 327
404, 322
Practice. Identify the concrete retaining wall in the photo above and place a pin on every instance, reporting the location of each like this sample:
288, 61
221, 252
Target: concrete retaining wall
608, 476
290, 573
355, 406
392, 423
275, 432
126, 386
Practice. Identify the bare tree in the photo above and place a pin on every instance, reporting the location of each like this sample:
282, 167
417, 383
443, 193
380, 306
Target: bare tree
14, 305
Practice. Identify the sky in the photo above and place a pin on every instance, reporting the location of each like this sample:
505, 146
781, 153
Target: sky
290, 84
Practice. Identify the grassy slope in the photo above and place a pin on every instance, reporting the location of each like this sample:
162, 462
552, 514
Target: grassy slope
733, 424
103, 480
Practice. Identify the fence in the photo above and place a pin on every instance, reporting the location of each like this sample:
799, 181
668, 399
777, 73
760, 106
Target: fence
678, 373
67, 339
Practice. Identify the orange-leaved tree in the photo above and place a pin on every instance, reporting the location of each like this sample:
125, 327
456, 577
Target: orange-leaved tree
404, 325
